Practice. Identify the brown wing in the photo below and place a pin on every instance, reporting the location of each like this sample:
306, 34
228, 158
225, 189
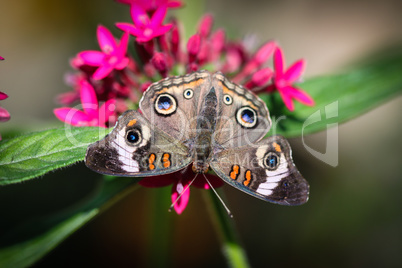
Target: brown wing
243, 117
135, 148
172, 104
264, 170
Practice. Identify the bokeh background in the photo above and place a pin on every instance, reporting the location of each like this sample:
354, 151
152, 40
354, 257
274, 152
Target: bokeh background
354, 215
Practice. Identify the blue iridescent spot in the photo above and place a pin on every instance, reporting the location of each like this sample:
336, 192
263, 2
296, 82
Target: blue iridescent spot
272, 161
164, 103
227, 98
247, 116
133, 136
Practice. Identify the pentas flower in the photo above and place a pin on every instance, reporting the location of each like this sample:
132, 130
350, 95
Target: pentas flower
181, 181
91, 115
112, 56
152, 5
144, 27
161, 51
4, 115
283, 80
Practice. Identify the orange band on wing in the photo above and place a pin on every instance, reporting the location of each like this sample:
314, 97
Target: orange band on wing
166, 160
151, 161
247, 176
235, 172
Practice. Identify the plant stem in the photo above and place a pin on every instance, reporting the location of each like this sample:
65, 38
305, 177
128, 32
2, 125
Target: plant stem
224, 225
161, 227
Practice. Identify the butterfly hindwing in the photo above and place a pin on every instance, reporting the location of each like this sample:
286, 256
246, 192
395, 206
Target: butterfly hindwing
136, 148
264, 170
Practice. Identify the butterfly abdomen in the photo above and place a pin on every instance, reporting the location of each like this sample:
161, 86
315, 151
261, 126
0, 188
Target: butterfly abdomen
206, 122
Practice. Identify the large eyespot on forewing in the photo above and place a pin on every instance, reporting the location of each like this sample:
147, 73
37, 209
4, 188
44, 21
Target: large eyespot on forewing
246, 117
165, 105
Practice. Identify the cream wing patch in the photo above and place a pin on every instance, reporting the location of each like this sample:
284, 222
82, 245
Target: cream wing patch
273, 176
126, 152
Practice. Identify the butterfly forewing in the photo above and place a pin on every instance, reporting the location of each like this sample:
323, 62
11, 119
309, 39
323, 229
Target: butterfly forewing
243, 118
173, 104
136, 148
264, 170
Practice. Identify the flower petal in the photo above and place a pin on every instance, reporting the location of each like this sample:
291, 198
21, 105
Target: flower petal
206, 25
295, 71
72, 116
177, 189
139, 16
106, 40
4, 115
122, 48
130, 28
158, 16
301, 96
287, 99
278, 62
263, 54
102, 71
93, 58
89, 100
162, 30
3, 96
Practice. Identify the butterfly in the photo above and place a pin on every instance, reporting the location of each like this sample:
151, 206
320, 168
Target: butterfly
204, 120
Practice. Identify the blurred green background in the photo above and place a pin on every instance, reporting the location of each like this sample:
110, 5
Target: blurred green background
353, 217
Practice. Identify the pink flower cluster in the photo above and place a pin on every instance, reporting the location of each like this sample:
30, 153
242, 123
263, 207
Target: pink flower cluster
4, 114
113, 76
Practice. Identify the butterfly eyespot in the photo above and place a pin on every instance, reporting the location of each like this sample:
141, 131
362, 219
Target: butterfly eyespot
271, 161
227, 99
133, 137
165, 104
246, 117
188, 93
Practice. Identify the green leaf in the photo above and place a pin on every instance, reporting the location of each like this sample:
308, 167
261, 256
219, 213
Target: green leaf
26, 253
339, 97
32, 155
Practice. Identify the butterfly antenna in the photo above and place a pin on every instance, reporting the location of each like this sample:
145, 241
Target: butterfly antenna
182, 192
220, 199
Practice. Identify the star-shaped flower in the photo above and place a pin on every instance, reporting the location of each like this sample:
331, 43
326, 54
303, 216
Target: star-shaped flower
145, 28
112, 56
91, 115
283, 80
181, 180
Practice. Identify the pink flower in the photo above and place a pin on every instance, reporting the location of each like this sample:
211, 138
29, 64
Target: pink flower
283, 81
181, 180
145, 28
4, 115
112, 56
258, 59
91, 115
152, 5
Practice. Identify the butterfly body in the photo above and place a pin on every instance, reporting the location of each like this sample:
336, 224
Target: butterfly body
204, 120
